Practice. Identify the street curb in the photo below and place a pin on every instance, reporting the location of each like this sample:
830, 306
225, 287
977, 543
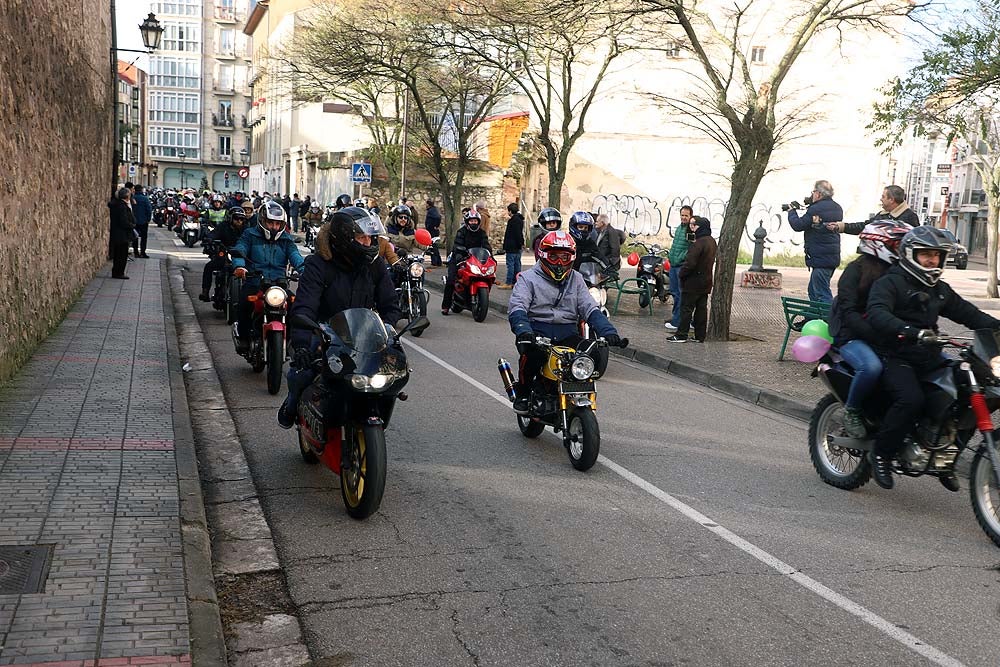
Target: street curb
743, 391
208, 646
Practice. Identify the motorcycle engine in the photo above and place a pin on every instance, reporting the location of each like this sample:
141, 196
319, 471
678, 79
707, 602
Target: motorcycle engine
932, 434
915, 457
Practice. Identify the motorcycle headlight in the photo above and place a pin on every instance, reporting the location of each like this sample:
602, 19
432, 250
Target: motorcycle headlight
599, 295
475, 269
370, 383
490, 271
582, 367
416, 270
275, 296
995, 366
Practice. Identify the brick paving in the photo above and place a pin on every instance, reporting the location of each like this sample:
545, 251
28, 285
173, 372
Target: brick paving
87, 466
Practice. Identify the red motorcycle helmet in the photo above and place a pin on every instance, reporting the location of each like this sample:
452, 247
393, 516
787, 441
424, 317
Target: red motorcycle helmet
556, 253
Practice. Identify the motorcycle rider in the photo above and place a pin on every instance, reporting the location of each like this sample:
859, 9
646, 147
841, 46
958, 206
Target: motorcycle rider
550, 300
470, 235
549, 220
582, 229
401, 231
851, 331
903, 308
215, 215
228, 232
346, 272
343, 201
266, 248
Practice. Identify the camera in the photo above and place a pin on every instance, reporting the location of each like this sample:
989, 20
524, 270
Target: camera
807, 201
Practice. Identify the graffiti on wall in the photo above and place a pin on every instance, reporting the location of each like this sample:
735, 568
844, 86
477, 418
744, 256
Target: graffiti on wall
640, 215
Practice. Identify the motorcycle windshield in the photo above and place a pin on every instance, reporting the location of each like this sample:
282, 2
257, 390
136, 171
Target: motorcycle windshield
482, 255
360, 329
591, 272
986, 346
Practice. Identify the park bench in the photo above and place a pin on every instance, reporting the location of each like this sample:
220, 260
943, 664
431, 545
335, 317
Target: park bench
797, 313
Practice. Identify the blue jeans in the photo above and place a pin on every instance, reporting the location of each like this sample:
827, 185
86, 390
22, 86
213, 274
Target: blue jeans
867, 370
675, 292
513, 266
819, 285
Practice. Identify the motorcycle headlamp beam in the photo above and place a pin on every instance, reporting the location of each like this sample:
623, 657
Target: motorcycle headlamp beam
582, 367
275, 296
416, 270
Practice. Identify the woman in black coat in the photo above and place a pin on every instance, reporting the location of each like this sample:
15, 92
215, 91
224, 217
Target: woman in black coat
122, 232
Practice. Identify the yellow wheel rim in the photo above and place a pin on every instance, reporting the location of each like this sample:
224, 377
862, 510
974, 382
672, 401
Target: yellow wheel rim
352, 476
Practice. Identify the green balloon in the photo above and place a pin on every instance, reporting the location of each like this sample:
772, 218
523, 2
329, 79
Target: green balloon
817, 328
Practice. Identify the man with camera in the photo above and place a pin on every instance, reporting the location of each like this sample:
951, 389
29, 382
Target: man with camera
822, 244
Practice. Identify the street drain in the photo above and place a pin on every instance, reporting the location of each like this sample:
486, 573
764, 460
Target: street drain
23, 569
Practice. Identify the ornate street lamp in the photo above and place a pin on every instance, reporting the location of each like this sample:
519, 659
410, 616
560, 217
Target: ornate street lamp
152, 32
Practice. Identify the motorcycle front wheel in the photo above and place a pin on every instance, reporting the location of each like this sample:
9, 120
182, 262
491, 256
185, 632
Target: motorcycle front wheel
275, 361
984, 494
644, 294
362, 476
838, 467
482, 304
583, 439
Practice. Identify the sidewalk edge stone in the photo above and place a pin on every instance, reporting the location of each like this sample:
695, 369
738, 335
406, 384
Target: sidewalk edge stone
208, 646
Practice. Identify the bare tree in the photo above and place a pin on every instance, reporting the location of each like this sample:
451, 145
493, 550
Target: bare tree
955, 91
738, 103
557, 54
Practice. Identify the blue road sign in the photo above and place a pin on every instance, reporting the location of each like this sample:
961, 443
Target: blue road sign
361, 172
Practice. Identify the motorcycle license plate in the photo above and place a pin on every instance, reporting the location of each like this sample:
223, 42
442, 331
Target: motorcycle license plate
577, 388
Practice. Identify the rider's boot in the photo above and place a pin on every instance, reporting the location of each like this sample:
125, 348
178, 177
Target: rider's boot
854, 424
204, 296
882, 471
949, 481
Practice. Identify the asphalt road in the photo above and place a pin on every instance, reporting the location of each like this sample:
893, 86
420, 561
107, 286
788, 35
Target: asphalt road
704, 537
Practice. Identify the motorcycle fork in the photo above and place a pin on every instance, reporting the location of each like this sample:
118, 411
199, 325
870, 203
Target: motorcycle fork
984, 421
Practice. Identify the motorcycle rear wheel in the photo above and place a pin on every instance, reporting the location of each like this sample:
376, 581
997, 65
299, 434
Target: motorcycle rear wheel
362, 477
984, 494
644, 295
275, 361
189, 242
584, 436
529, 428
482, 304
835, 466
308, 455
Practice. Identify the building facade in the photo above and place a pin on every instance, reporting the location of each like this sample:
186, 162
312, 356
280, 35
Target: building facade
198, 101
132, 163
968, 206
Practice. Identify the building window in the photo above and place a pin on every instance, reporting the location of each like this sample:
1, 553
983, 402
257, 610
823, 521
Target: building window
171, 107
225, 80
176, 7
181, 37
225, 112
168, 141
673, 50
227, 42
757, 55
225, 145
174, 72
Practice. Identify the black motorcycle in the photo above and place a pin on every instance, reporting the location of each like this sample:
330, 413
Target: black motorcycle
650, 272
342, 415
960, 397
408, 276
221, 278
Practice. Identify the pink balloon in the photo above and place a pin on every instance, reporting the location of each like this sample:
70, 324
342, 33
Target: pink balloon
810, 349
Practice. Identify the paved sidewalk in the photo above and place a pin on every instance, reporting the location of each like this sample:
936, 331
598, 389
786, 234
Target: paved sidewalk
89, 471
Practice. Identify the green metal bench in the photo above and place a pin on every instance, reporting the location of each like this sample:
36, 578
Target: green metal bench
797, 313
622, 285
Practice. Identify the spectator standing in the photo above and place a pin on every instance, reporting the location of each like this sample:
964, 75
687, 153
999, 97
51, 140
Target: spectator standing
513, 244
413, 211
142, 209
696, 282
609, 241
432, 223
894, 208
294, 207
122, 231
484, 215
678, 253
821, 243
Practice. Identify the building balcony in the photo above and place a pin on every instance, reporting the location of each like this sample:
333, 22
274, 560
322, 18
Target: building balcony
223, 121
221, 86
225, 14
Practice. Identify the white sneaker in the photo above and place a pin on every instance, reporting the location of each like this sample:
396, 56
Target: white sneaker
669, 327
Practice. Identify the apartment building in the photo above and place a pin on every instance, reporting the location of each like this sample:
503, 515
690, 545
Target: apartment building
198, 103
132, 164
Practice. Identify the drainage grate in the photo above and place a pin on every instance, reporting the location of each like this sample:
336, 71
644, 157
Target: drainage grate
23, 569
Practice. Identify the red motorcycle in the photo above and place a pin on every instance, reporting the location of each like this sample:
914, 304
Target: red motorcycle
473, 282
268, 332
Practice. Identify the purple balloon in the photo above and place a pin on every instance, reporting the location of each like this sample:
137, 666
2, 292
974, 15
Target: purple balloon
810, 349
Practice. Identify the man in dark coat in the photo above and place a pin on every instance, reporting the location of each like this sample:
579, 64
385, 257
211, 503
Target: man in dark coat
122, 232
513, 244
696, 281
432, 223
822, 244
894, 207
142, 209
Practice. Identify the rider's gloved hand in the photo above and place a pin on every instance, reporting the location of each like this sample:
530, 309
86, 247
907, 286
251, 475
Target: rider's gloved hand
302, 358
524, 341
909, 334
614, 340
240, 272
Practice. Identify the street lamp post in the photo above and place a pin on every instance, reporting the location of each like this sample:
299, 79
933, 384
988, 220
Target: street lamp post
244, 154
182, 155
152, 32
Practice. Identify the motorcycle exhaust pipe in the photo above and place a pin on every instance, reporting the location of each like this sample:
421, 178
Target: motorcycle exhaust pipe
507, 378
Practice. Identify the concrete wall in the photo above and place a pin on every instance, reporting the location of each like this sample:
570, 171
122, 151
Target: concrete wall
55, 176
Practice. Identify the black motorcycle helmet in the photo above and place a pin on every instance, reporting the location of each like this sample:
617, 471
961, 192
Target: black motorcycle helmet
343, 201
550, 219
399, 214
924, 238
344, 225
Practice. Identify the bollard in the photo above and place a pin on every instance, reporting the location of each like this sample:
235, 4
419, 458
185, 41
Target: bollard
757, 276
759, 235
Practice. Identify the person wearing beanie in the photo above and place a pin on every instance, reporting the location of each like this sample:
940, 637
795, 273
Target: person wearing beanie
696, 281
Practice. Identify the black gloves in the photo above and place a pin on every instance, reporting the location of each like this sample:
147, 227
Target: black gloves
614, 340
524, 341
302, 358
915, 335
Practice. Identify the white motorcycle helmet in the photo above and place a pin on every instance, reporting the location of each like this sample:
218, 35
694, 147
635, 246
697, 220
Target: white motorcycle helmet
269, 215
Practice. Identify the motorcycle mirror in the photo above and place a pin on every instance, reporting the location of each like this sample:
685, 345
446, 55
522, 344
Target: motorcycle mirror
233, 252
422, 236
633, 259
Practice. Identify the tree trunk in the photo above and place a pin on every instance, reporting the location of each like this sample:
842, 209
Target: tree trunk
747, 175
991, 246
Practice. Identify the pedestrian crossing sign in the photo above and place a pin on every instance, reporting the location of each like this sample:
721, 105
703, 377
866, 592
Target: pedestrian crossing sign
361, 172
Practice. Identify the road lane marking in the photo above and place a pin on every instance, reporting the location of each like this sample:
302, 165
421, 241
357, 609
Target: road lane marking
908, 640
